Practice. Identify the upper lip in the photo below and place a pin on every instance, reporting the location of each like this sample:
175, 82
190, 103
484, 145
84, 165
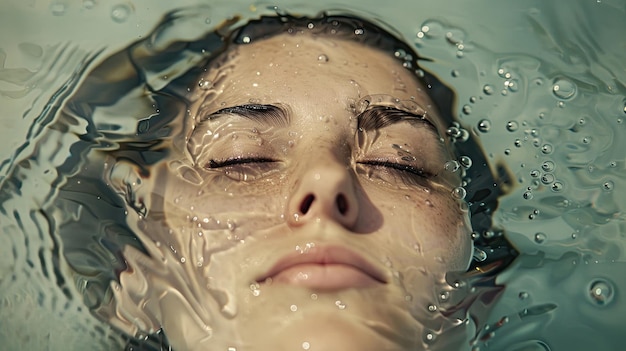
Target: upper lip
325, 255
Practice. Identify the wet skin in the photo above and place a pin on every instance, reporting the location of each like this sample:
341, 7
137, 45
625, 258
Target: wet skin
297, 207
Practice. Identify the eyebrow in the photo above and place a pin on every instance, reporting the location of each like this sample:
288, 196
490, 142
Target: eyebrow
379, 117
274, 115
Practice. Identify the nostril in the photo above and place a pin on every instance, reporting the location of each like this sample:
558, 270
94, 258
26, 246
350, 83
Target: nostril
306, 203
342, 204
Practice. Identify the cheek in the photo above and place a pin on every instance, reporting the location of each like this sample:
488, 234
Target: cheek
437, 230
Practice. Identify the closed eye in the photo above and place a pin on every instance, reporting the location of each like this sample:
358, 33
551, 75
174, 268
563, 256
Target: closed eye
233, 161
419, 172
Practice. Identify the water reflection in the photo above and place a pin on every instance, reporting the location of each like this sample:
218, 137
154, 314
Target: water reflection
561, 144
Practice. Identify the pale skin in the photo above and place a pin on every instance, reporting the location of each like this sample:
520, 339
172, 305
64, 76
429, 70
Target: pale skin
249, 191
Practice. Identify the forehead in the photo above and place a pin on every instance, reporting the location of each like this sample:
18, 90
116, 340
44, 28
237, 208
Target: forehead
288, 68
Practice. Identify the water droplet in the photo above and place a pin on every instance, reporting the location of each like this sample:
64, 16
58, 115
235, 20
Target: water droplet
465, 161
306, 345
58, 8
340, 305
120, 13
452, 166
429, 336
557, 186
601, 292
488, 89
512, 126
207, 20
454, 73
608, 185
547, 178
359, 31
432, 308
547, 149
540, 238
522, 295
527, 195
564, 88
322, 58
205, 84
547, 166
484, 125
293, 308
467, 109
459, 193
535, 173
512, 85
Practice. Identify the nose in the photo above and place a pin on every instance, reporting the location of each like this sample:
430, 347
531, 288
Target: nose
324, 192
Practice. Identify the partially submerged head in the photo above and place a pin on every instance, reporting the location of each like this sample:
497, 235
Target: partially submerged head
314, 203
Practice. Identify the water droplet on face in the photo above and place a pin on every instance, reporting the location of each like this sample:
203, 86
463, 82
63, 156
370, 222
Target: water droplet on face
322, 58
205, 84
484, 125
120, 13
452, 166
540, 238
479, 255
601, 292
564, 88
512, 126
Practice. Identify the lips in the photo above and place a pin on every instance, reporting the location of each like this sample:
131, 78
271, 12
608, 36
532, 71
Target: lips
326, 269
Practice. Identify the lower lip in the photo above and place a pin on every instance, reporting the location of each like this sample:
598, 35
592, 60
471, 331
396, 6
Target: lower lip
326, 277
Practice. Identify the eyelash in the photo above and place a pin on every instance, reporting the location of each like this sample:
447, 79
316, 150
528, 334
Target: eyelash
233, 161
399, 167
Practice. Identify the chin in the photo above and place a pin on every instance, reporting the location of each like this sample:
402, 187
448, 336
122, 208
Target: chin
289, 319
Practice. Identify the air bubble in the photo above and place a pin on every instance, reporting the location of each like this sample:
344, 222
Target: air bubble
540, 238
452, 166
608, 185
547, 178
547, 149
601, 292
527, 195
467, 109
488, 89
454, 73
564, 89
429, 337
484, 125
306, 345
432, 308
89, 4
547, 166
340, 305
465, 161
512, 126
557, 186
322, 58
120, 13
512, 85
459, 193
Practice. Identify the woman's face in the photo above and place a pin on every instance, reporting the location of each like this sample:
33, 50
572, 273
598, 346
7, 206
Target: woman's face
311, 208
